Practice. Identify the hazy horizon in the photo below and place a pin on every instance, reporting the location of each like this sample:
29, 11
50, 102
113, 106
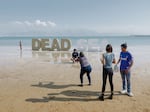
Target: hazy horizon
74, 17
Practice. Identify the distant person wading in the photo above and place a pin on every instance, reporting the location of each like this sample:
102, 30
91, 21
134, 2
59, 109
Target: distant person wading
20, 45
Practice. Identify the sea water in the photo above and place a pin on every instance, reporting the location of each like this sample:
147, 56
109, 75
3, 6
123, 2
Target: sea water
139, 46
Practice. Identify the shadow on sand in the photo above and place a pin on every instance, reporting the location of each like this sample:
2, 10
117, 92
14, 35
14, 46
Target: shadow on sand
51, 85
68, 95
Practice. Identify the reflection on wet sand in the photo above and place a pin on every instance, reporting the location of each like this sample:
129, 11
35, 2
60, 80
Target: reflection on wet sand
20, 53
52, 56
62, 57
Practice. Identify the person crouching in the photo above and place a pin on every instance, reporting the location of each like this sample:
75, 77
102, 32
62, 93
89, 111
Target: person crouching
85, 68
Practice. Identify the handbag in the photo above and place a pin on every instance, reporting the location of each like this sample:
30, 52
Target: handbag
116, 68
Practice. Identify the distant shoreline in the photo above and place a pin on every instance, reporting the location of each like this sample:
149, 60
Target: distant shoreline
51, 36
140, 35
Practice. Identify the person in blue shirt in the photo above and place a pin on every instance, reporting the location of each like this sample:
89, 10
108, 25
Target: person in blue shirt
107, 59
126, 62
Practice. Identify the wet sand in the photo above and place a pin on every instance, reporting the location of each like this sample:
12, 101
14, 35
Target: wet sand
48, 83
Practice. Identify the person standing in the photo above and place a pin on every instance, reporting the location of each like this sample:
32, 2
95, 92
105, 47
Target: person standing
126, 62
20, 45
85, 68
107, 59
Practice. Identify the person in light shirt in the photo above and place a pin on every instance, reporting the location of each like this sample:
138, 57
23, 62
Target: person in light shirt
107, 59
85, 68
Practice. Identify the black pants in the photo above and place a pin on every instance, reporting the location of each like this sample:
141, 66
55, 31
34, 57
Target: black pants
107, 72
86, 70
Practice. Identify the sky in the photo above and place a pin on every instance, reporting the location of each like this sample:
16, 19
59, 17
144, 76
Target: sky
74, 17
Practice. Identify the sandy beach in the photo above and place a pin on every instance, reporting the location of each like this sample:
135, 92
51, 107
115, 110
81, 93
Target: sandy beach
48, 83
37, 41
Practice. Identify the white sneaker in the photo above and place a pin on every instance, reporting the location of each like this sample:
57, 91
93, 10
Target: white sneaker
130, 94
123, 91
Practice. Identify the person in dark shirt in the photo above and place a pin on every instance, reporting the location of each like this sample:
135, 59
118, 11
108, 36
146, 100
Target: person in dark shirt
20, 45
74, 55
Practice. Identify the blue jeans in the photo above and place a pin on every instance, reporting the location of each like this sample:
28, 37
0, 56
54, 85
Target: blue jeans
126, 79
86, 70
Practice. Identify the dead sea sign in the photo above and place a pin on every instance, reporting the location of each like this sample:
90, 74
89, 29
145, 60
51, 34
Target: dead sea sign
51, 45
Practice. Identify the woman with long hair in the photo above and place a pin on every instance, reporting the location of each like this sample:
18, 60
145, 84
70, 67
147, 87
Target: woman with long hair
107, 59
